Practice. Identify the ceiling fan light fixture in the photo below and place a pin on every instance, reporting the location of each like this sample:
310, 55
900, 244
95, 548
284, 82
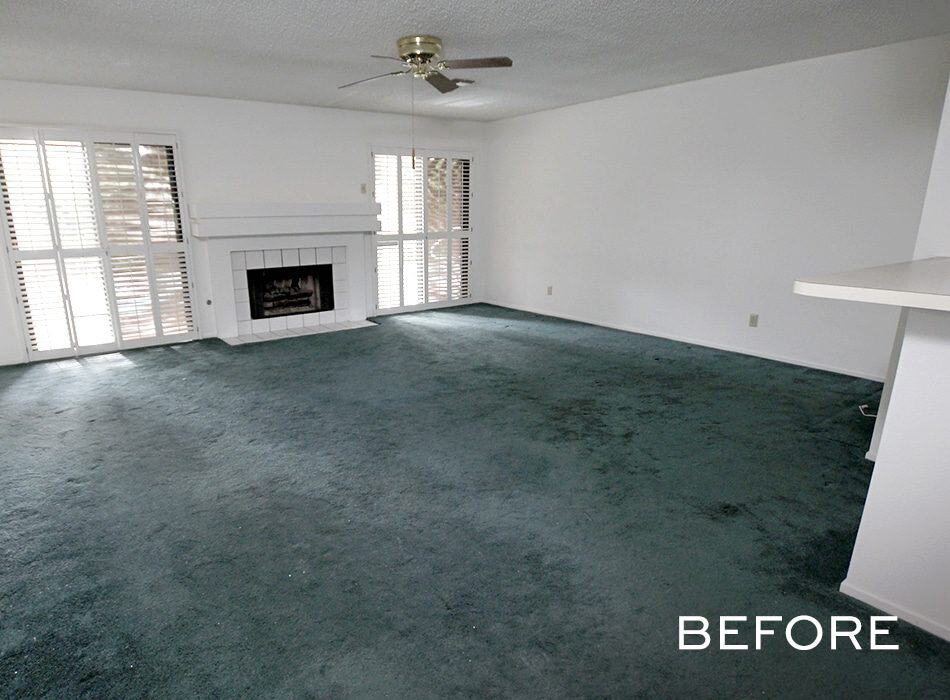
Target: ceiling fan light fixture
419, 47
421, 54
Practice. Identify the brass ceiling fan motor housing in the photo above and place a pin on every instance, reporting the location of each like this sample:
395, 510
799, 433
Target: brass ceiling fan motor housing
417, 49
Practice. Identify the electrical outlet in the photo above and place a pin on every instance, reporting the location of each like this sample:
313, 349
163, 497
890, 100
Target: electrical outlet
363, 188
753, 320
550, 290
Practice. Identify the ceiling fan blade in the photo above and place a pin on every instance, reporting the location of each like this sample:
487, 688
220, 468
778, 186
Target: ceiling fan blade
388, 58
375, 77
440, 82
493, 62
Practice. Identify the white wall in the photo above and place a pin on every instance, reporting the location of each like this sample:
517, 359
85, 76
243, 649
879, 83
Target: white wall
679, 211
933, 239
904, 570
235, 151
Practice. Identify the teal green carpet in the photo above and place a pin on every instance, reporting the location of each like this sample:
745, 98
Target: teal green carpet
475, 502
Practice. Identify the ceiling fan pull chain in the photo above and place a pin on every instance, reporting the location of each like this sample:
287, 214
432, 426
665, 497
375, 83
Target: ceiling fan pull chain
412, 118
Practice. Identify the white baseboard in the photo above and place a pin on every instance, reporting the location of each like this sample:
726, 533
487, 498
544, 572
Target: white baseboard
372, 313
916, 619
691, 341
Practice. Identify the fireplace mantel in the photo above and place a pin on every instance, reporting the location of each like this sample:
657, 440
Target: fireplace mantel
240, 220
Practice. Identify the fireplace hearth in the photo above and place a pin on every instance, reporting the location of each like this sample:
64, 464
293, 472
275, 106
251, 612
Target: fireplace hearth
286, 291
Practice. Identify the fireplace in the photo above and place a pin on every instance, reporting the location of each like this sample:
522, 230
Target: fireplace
286, 291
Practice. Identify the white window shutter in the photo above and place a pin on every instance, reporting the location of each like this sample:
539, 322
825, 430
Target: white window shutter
413, 272
461, 194
118, 194
436, 203
460, 266
412, 198
98, 248
160, 185
437, 269
133, 297
89, 301
70, 185
24, 195
423, 247
43, 304
387, 274
173, 292
386, 192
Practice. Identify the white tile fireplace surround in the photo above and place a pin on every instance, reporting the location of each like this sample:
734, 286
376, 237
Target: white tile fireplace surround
229, 240
251, 329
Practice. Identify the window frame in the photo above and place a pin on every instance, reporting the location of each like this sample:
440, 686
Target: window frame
88, 137
423, 153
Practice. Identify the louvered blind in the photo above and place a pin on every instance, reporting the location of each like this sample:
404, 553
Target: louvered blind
386, 192
71, 188
44, 305
89, 301
133, 297
172, 290
24, 195
413, 272
97, 241
387, 274
161, 193
436, 190
423, 247
437, 269
461, 193
119, 193
412, 197
460, 266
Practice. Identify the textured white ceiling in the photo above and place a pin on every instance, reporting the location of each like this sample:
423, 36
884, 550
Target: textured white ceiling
564, 51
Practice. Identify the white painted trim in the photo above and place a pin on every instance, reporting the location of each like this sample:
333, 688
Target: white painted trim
270, 211
691, 341
284, 226
430, 306
916, 619
239, 220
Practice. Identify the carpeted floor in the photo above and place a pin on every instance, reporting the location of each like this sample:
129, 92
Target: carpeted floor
473, 502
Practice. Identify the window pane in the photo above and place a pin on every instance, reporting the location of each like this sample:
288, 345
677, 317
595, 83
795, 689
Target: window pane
89, 301
387, 274
161, 193
437, 267
71, 187
435, 195
174, 296
133, 297
461, 193
411, 196
386, 192
413, 273
118, 192
24, 197
42, 298
460, 264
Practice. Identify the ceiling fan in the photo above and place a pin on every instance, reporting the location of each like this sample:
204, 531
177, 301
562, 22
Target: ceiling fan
422, 57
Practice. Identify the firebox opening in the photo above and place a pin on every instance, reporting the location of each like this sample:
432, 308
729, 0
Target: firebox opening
285, 291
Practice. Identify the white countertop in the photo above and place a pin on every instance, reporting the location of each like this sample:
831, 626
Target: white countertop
921, 284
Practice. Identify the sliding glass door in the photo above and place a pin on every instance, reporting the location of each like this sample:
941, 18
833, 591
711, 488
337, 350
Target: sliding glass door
95, 240
422, 249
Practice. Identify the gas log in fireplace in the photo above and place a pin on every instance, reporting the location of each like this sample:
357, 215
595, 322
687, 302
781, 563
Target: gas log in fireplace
284, 291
